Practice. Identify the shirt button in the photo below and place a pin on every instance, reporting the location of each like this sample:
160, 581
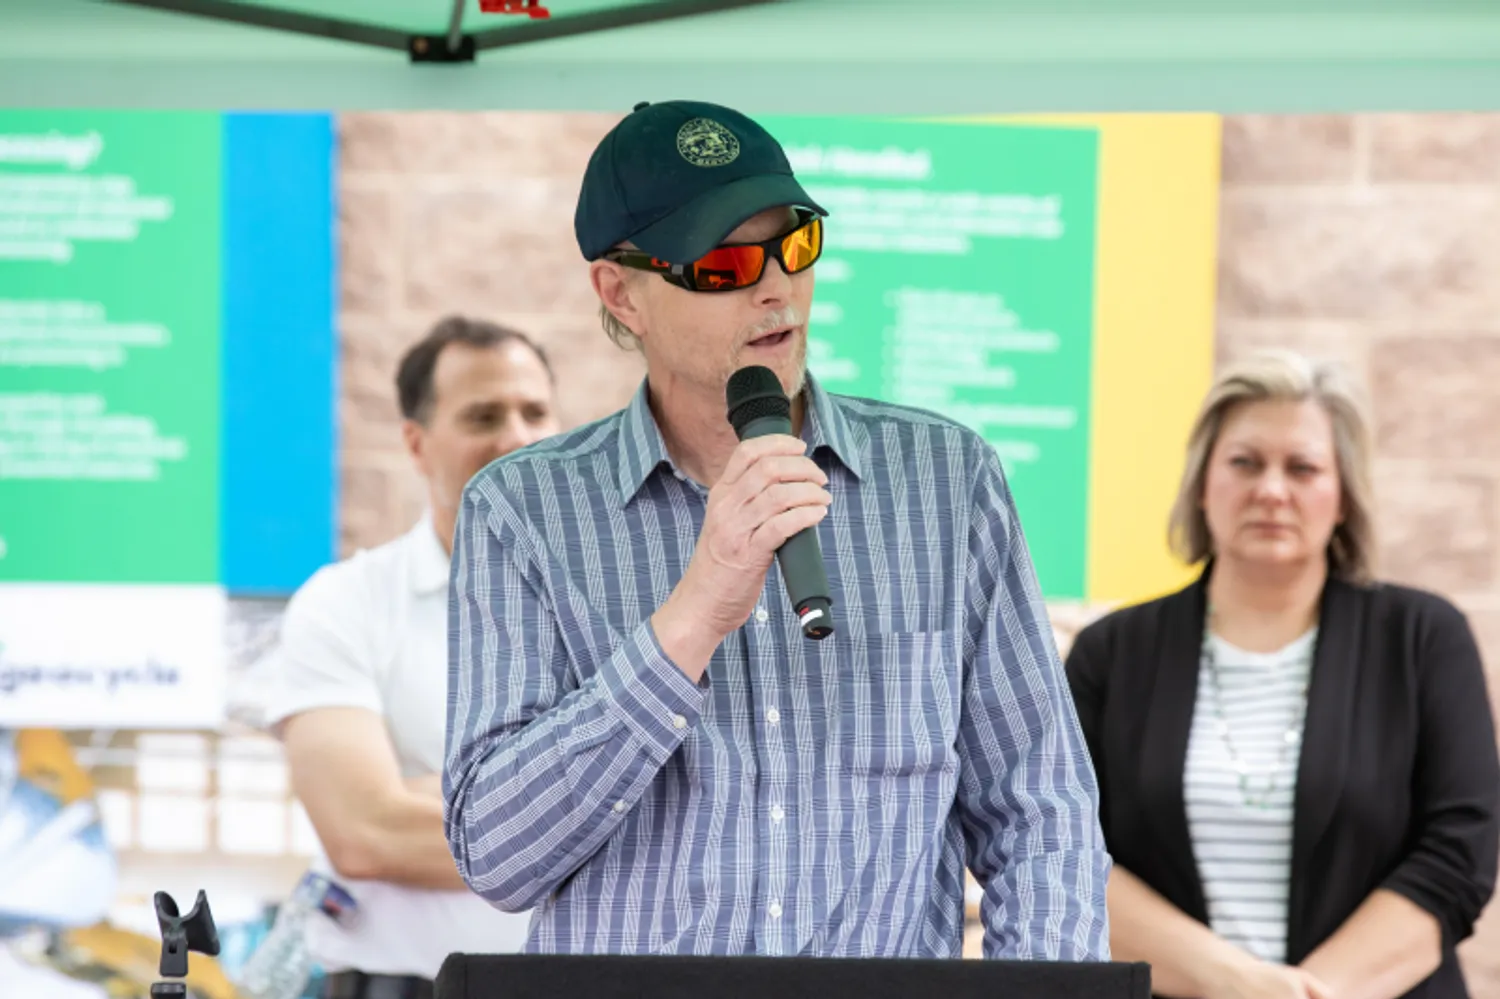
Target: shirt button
777, 813
773, 716
619, 806
679, 722
774, 909
762, 615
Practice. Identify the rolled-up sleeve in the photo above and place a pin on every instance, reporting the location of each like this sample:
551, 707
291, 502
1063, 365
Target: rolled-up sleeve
1027, 790
1450, 871
554, 730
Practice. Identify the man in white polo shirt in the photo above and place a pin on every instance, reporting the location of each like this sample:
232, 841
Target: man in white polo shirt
358, 689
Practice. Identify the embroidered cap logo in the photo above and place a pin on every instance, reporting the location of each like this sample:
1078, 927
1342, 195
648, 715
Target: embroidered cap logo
705, 143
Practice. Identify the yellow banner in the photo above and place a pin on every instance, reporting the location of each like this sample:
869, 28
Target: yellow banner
1157, 252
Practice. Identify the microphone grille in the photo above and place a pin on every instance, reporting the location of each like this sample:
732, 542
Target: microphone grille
754, 392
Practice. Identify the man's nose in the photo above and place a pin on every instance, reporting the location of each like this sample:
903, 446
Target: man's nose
775, 286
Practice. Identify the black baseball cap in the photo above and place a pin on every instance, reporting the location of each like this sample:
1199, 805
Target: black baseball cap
676, 178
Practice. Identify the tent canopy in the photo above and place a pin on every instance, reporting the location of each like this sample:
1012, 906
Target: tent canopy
823, 56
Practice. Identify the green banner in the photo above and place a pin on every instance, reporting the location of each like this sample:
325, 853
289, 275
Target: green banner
958, 277
109, 346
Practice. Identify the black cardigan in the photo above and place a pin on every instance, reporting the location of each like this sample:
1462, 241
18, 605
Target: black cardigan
1397, 780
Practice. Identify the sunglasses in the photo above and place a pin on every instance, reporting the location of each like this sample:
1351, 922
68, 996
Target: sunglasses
733, 266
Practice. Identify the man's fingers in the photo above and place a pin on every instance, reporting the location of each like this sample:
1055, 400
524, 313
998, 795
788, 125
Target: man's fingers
787, 468
771, 472
781, 497
773, 533
748, 453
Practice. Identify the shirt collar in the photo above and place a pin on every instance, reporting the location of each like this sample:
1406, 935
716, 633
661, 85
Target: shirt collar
828, 426
641, 446
427, 562
642, 449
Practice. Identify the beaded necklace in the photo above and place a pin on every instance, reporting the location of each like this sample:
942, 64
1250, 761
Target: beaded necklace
1289, 740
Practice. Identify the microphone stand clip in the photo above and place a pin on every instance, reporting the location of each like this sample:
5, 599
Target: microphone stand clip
179, 935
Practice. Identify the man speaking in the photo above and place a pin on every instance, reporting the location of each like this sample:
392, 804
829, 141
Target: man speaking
646, 741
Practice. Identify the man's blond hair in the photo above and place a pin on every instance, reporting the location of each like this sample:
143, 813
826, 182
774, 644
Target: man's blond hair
623, 336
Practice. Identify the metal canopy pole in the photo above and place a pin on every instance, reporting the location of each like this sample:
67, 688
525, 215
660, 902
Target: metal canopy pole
281, 20
454, 46
456, 25
604, 20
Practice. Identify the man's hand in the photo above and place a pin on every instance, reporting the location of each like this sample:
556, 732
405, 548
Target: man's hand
769, 491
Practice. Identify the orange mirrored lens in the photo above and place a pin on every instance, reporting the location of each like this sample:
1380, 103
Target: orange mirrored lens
729, 267
740, 266
800, 248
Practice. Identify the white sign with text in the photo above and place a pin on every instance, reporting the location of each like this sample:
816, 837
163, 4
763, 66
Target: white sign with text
86, 656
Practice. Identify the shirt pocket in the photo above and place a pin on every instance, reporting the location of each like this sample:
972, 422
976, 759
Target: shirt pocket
897, 704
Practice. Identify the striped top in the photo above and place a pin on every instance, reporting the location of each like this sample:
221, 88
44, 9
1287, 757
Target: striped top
810, 798
1242, 836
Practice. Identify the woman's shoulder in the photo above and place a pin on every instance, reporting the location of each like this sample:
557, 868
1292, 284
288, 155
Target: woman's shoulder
1400, 601
1405, 625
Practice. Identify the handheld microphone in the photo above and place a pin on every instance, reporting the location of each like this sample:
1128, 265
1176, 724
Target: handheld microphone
757, 407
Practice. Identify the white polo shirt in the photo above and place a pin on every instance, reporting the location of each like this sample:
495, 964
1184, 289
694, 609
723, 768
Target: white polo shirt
372, 632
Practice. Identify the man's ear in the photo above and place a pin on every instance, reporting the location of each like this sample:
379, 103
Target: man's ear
416, 444
620, 291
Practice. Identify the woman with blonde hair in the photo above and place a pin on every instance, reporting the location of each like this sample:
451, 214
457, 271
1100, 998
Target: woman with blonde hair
1297, 763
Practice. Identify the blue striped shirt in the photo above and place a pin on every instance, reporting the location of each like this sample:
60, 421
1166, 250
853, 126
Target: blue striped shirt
813, 798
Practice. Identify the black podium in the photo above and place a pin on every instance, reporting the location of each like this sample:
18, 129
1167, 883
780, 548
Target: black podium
538, 976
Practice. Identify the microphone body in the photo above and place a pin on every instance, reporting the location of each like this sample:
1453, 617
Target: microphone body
758, 406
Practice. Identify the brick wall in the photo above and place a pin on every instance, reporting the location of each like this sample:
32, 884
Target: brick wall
1376, 239
1373, 239
443, 212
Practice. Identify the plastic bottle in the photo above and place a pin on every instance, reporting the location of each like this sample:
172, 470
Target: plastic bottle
281, 965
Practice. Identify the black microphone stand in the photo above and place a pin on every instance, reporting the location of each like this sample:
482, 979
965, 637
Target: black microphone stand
179, 935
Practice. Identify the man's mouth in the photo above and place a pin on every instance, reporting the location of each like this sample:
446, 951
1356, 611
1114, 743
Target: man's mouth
775, 338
